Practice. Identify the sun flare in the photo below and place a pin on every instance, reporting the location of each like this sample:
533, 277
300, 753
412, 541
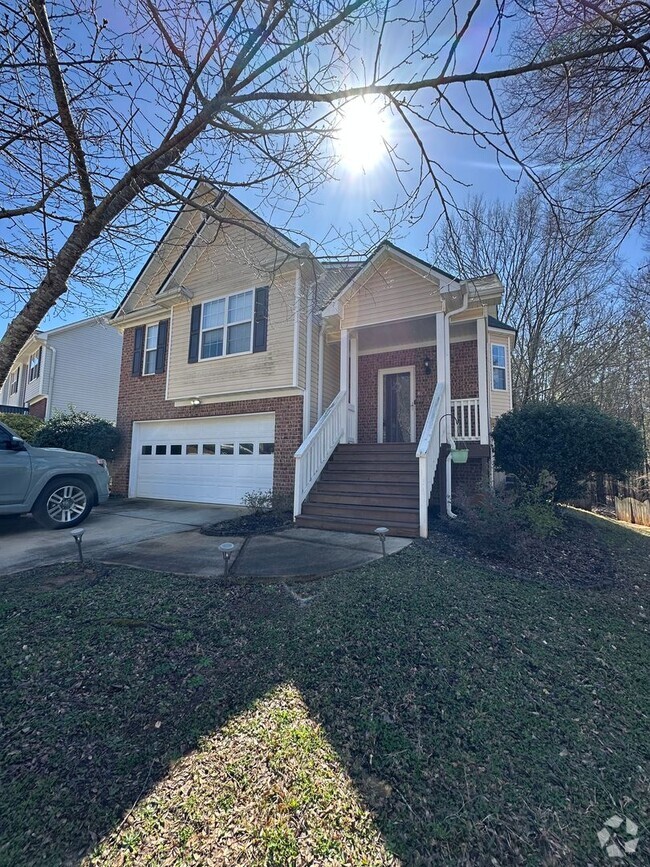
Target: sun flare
362, 133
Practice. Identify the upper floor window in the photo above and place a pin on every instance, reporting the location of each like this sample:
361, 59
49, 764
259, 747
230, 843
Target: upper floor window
35, 365
499, 378
227, 325
150, 349
14, 376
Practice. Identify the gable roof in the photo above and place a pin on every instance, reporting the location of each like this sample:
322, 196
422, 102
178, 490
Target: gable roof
386, 248
221, 197
493, 322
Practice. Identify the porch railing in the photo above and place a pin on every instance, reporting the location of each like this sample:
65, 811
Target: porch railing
16, 410
466, 421
317, 448
427, 454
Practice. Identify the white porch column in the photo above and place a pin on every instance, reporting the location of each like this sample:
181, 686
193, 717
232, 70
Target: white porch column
345, 367
481, 344
441, 364
353, 416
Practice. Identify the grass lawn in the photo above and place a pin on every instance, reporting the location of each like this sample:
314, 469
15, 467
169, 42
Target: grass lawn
423, 710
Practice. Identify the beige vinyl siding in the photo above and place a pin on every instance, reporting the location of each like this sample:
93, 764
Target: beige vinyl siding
331, 372
233, 263
394, 292
500, 401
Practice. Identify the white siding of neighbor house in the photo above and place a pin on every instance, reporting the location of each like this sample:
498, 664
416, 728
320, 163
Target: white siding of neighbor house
86, 369
313, 403
500, 401
392, 292
331, 372
233, 262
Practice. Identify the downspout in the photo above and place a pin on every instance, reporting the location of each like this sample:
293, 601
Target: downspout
321, 356
296, 329
50, 387
450, 440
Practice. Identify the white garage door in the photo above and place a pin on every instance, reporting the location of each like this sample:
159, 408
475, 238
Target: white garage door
208, 460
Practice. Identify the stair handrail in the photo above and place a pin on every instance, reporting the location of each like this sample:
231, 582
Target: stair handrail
427, 454
317, 447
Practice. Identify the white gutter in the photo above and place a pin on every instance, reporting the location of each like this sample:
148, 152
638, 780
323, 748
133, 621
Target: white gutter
296, 329
321, 356
50, 387
449, 438
306, 403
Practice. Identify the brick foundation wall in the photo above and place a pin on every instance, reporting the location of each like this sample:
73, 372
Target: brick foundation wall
142, 398
39, 408
468, 478
464, 381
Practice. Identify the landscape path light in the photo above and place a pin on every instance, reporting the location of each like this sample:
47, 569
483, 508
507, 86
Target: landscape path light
381, 532
226, 549
77, 536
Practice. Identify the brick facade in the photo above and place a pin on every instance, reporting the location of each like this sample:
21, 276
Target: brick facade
142, 398
464, 381
39, 408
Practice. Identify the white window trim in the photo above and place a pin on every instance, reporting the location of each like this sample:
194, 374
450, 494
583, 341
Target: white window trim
145, 350
13, 373
226, 325
37, 367
494, 367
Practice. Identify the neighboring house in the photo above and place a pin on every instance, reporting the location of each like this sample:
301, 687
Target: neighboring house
73, 365
242, 349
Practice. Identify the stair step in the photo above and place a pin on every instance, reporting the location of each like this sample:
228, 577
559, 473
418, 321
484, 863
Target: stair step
372, 487
377, 447
347, 525
373, 457
360, 499
374, 467
379, 514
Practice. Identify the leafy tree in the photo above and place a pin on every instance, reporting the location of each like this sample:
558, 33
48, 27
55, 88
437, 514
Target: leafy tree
25, 426
570, 441
80, 432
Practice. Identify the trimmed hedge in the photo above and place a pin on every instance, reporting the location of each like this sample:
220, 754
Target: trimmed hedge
25, 426
570, 441
80, 432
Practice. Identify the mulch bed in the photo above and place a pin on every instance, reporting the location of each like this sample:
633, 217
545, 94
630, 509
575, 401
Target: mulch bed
575, 557
251, 525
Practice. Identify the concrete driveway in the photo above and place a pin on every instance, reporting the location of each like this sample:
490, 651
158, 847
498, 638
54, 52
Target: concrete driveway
109, 530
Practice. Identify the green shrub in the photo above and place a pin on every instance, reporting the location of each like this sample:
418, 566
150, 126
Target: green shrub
570, 441
25, 426
506, 524
267, 501
80, 432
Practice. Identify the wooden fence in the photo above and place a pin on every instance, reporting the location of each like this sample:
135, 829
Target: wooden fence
633, 511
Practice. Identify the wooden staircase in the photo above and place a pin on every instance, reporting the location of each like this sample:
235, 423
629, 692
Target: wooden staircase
363, 487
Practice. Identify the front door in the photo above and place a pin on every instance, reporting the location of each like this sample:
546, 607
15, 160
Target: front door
396, 406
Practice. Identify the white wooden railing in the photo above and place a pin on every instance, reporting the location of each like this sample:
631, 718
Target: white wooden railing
466, 421
317, 448
427, 454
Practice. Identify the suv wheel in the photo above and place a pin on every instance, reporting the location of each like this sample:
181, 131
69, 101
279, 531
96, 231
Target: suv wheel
63, 503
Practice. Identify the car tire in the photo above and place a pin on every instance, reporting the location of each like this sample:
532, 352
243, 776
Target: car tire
64, 503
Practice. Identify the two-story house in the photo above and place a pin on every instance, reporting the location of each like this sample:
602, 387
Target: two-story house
249, 364
72, 365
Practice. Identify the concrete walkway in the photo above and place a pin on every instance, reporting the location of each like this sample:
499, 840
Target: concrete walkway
286, 554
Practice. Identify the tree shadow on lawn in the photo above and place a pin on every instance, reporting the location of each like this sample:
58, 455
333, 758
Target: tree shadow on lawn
478, 716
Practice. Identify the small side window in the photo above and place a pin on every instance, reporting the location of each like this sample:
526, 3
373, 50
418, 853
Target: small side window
146, 450
499, 377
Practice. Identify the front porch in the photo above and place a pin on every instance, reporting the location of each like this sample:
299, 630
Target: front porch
407, 392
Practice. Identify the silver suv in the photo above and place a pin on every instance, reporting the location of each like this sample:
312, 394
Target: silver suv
58, 487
